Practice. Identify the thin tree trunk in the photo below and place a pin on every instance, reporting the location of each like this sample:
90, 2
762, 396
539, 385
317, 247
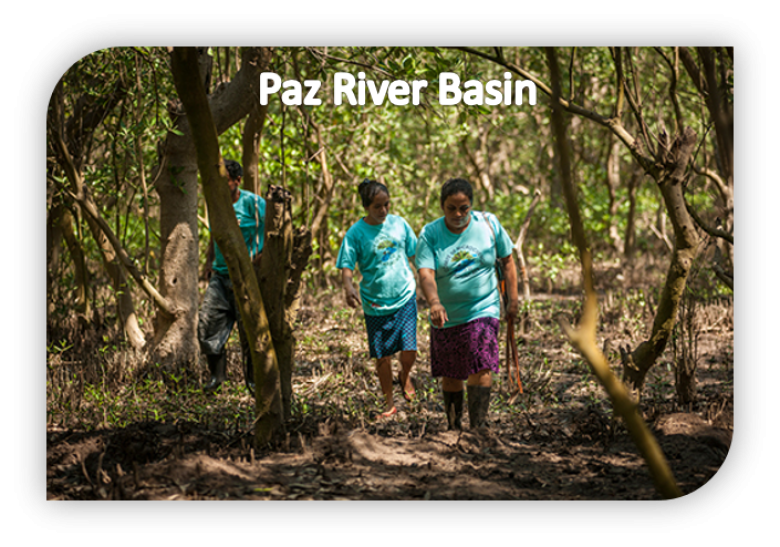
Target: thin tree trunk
675, 159
523, 273
250, 144
279, 276
227, 234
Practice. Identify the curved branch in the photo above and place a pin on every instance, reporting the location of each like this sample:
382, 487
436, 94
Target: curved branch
714, 232
614, 125
584, 337
88, 206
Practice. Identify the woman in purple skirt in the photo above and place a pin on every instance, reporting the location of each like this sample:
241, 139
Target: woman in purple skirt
456, 257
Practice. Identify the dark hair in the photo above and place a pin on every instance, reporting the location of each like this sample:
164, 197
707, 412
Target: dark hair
234, 169
456, 186
368, 189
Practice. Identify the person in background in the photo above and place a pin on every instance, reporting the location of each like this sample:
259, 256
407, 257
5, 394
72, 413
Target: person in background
382, 245
456, 257
219, 312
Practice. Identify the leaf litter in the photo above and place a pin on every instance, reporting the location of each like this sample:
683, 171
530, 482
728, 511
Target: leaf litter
558, 440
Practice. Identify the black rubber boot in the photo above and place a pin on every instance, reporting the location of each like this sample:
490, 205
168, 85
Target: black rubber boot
479, 401
453, 408
217, 364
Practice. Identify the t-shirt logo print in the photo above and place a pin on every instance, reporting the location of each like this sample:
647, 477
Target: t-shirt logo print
462, 259
388, 249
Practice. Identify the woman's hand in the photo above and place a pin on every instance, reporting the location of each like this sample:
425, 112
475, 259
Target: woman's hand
428, 285
438, 315
353, 300
351, 295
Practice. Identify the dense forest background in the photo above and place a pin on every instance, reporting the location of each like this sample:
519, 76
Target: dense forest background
627, 160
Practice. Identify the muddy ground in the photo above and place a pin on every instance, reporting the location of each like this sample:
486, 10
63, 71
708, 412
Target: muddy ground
556, 441
558, 456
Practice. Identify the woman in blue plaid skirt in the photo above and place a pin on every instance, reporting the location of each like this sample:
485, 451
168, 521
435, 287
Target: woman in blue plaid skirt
381, 245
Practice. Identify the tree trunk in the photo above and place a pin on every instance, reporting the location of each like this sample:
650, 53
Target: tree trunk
685, 380
479, 160
227, 235
630, 237
637, 363
124, 299
523, 273
319, 223
79, 263
175, 336
284, 259
175, 340
250, 143
613, 183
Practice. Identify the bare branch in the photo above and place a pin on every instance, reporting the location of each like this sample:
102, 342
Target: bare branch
81, 196
648, 163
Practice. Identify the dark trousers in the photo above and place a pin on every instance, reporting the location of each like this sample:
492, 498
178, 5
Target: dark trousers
218, 314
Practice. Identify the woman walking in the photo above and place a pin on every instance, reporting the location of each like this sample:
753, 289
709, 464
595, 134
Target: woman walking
381, 245
456, 258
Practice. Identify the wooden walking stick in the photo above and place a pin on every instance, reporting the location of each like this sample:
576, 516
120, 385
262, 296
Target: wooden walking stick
511, 347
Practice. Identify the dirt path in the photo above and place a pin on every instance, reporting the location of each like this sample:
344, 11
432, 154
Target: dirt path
558, 441
555, 457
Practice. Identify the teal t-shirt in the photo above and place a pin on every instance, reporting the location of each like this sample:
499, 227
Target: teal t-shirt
381, 252
250, 213
465, 266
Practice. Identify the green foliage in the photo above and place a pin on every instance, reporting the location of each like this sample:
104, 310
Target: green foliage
412, 149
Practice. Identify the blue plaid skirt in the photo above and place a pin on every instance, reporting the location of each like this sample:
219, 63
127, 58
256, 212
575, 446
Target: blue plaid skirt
389, 334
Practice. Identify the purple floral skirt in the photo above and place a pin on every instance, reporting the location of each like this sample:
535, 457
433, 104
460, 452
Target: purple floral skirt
460, 351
